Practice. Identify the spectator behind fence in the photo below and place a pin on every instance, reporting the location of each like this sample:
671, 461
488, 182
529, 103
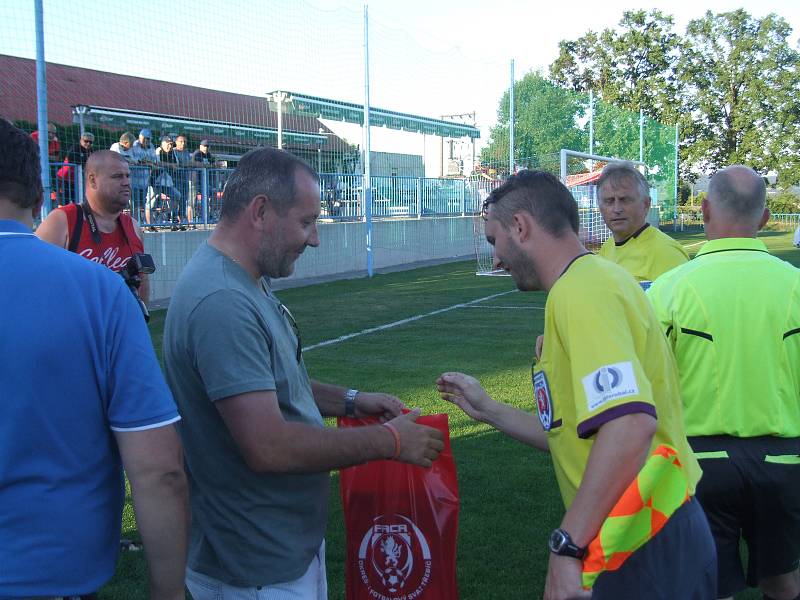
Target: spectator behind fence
182, 154
732, 317
166, 197
623, 197
183, 179
99, 229
53, 145
144, 156
82, 396
203, 155
607, 409
255, 439
125, 147
78, 154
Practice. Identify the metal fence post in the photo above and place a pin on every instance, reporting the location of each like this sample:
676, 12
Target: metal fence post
41, 109
419, 197
204, 193
77, 189
463, 196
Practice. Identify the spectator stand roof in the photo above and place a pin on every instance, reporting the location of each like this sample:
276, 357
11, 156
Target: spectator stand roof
335, 110
120, 118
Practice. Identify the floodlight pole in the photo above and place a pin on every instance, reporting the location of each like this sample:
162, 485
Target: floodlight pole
81, 111
319, 153
367, 186
511, 122
280, 98
641, 135
591, 121
675, 210
41, 108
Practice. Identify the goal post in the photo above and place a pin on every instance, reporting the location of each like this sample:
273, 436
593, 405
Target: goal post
564, 162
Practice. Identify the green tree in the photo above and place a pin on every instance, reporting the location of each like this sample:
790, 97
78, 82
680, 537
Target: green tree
632, 67
546, 121
732, 83
740, 93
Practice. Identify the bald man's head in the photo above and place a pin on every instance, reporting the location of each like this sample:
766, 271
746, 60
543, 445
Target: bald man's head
101, 160
739, 192
108, 183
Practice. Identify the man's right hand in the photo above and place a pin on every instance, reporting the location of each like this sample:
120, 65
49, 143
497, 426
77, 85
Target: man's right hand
466, 393
419, 444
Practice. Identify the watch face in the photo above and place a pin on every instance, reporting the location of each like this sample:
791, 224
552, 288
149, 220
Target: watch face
557, 540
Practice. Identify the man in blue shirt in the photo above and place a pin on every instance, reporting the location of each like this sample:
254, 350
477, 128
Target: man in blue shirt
67, 427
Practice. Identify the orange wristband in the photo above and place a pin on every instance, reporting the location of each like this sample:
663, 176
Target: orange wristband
396, 436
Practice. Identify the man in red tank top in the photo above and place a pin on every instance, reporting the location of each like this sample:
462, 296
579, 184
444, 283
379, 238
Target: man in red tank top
117, 236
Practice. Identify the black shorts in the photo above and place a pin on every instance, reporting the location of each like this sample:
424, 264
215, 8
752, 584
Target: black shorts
678, 563
752, 493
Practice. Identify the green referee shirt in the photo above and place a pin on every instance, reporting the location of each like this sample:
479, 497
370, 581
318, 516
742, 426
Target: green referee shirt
732, 316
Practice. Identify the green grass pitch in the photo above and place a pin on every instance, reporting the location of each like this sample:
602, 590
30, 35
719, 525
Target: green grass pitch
509, 499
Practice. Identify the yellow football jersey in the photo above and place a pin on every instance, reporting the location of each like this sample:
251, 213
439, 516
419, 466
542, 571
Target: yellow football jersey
604, 356
646, 254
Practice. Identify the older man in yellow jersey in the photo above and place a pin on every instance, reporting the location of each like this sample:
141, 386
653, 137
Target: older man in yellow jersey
623, 197
732, 316
607, 398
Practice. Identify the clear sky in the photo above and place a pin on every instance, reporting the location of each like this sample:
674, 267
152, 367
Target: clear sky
426, 57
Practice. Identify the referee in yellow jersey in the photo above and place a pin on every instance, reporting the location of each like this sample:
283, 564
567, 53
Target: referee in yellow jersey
732, 316
623, 197
606, 397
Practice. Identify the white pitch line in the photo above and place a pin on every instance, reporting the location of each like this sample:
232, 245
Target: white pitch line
695, 244
508, 307
439, 311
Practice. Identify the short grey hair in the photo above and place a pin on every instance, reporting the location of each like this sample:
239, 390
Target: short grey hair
624, 170
267, 171
740, 191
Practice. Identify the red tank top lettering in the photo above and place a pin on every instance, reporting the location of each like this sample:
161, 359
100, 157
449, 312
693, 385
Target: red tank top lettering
115, 249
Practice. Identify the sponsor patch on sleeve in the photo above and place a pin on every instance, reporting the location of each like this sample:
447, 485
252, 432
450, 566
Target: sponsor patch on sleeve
608, 383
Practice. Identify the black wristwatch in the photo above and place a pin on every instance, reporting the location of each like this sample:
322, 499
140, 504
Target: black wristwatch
560, 543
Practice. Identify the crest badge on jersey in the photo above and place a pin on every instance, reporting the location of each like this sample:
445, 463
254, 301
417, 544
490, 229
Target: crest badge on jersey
543, 399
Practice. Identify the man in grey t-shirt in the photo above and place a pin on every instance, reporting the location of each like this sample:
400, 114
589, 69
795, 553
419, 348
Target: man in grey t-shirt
257, 452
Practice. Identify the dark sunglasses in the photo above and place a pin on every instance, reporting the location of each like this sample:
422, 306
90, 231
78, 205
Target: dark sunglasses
486, 204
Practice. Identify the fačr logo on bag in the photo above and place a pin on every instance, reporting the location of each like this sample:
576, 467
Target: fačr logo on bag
394, 559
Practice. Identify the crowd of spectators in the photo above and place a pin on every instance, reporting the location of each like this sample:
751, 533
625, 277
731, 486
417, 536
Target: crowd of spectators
163, 178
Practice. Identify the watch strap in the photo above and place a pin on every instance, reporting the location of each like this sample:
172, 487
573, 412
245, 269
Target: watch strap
567, 547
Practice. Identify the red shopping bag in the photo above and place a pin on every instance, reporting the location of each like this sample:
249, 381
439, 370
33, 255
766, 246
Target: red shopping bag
402, 524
